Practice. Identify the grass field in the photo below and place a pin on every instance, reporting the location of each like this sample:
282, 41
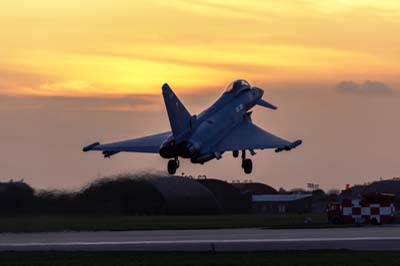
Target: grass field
119, 223
124, 258
95, 223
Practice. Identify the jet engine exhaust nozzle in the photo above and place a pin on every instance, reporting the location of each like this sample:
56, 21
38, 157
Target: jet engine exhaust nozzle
168, 149
187, 149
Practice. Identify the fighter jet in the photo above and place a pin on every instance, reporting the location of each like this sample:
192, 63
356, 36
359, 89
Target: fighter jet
226, 126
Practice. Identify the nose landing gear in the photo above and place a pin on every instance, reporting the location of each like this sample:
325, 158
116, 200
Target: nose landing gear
247, 164
172, 166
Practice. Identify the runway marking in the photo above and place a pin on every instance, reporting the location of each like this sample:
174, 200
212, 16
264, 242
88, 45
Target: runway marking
200, 241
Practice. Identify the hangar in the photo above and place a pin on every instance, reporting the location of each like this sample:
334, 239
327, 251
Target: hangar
183, 195
228, 197
255, 188
149, 195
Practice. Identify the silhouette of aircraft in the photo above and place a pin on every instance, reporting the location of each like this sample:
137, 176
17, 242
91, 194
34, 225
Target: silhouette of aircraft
224, 126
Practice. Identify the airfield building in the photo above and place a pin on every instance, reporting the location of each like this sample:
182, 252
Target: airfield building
282, 203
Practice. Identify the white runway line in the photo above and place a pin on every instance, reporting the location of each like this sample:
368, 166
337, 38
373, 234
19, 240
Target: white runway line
202, 241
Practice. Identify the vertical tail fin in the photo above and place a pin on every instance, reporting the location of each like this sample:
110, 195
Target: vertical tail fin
179, 117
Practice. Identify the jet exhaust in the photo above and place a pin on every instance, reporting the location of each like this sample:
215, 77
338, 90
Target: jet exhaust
168, 149
187, 149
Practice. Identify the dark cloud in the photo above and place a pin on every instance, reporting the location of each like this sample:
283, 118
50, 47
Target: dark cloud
367, 88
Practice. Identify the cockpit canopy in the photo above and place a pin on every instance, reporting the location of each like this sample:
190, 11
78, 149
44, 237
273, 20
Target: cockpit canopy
237, 86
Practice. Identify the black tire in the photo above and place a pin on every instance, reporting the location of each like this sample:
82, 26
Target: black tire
335, 220
235, 154
247, 166
374, 221
172, 166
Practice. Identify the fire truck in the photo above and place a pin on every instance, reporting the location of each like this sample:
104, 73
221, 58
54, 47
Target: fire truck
374, 208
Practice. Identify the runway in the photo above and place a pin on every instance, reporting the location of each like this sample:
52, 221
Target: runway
360, 238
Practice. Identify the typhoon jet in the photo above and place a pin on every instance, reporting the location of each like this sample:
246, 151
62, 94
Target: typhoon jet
226, 126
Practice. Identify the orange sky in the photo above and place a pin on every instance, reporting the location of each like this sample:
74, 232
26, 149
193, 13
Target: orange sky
132, 47
108, 52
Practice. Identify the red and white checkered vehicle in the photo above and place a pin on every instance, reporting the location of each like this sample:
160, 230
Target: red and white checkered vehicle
374, 208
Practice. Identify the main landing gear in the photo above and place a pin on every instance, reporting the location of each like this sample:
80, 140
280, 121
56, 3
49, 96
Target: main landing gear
172, 166
247, 164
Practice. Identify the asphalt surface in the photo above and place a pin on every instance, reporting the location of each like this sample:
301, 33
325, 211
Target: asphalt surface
361, 238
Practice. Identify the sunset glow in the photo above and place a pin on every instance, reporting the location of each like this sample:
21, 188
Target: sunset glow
133, 47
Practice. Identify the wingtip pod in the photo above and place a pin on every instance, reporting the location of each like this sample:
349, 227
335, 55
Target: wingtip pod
292, 145
296, 143
90, 147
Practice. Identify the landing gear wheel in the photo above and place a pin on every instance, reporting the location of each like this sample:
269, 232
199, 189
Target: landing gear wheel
374, 221
172, 166
335, 220
247, 166
235, 154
